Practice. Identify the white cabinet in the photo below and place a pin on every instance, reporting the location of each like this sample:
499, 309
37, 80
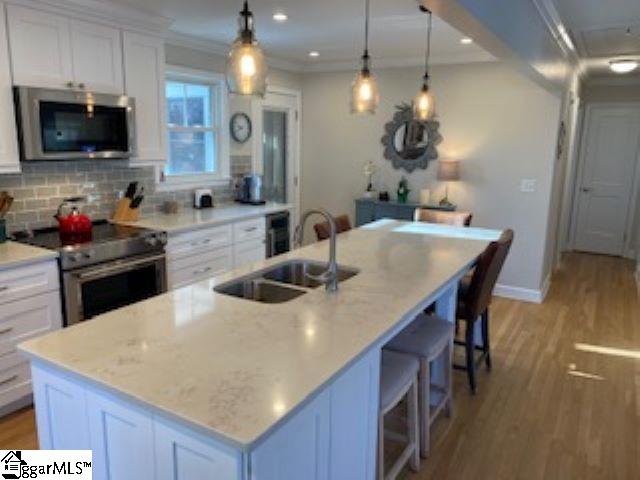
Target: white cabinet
29, 306
199, 267
183, 455
121, 439
96, 55
52, 51
144, 62
9, 157
299, 448
40, 48
61, 412
249, 252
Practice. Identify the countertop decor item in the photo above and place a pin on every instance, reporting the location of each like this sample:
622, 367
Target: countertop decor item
410, 143
403, 190
364, 89
128, 208
383, 196
240, 126
3, 230
424, 103
246, 64
369, 171
448, 171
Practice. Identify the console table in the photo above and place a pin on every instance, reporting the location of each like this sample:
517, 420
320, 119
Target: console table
369, 210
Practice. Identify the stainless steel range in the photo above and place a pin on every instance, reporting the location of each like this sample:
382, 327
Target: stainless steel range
120, 265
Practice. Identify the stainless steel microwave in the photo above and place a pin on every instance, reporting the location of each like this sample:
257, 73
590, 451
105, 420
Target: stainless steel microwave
72, 124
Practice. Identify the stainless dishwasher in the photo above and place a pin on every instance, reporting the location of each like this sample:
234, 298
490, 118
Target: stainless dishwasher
278, 233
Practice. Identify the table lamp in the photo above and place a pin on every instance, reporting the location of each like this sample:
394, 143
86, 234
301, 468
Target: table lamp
448, 171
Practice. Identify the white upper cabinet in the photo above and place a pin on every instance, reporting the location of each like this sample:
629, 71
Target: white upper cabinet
40, 48
96, 55
53, 51
9, 158
144, 62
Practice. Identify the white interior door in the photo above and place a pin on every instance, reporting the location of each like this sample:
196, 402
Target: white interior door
277, 155
610, 153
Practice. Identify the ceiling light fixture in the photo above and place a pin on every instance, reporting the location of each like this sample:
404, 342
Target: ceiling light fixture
364, 90
314, 53
424, 103
466, 41
280, 17
623, 66
246, 65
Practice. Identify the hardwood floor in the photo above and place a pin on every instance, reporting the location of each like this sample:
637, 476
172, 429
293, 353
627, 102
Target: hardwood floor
562, 401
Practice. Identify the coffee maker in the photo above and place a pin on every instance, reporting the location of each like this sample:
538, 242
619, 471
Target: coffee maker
249, 190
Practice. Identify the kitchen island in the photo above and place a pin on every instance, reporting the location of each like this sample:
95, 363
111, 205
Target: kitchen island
195, 384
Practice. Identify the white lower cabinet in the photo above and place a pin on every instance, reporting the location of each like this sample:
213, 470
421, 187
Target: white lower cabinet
184, 455
121, 439
331, 437
248, 252
204, 253
29, 306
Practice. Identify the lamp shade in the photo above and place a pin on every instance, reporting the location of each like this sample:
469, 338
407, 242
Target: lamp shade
449, 170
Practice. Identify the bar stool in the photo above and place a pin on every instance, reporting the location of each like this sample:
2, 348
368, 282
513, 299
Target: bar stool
429, 338
399, 379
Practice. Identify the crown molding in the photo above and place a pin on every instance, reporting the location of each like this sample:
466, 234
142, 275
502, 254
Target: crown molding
560, 33
103, 11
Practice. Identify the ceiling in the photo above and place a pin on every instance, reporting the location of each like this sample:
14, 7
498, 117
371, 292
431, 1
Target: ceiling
602, 30
335, 28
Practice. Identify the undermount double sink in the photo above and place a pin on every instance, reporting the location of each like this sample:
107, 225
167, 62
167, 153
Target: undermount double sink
282, 282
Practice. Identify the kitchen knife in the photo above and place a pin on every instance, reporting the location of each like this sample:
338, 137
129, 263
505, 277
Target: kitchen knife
135, 203
131, 190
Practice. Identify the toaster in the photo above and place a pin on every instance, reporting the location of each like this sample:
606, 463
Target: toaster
203, 198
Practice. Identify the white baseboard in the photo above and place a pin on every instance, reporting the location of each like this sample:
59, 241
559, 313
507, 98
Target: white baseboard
524, 294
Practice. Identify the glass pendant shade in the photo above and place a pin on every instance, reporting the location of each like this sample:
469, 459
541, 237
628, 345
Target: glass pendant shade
424, 106
246, 63
364, 93
246, 69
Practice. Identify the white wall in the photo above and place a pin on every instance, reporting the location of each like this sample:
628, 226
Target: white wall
498, 123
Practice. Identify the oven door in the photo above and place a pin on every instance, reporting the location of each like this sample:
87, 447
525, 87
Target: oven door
100, 288
60, 124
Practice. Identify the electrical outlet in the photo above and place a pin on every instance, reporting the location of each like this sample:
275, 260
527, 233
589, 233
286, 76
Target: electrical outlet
528, 185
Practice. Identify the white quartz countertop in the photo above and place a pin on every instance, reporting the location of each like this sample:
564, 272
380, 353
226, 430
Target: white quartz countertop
192, 218
14, 254
234, 368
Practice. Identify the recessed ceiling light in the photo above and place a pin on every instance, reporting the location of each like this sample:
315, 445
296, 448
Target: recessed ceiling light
314, 53
623, 66
466, 41
280, 17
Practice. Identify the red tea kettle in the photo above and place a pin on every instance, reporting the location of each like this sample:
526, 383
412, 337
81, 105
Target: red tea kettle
74, 225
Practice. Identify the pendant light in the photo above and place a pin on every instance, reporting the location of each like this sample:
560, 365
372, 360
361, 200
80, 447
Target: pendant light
246, 65
424, 103
364, 90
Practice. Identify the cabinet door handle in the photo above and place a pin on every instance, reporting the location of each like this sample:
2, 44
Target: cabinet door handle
201, 271
6, 330
81, 86
4, 288
250, 229
201, 242
9, 380
70, 84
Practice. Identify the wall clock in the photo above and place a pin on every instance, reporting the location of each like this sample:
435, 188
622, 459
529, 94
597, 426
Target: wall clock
240, 126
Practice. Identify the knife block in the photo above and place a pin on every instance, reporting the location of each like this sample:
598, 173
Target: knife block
122, 210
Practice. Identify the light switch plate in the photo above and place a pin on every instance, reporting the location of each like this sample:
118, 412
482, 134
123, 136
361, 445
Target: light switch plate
528, 185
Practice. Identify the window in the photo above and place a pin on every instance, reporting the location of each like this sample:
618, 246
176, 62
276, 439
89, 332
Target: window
196, 107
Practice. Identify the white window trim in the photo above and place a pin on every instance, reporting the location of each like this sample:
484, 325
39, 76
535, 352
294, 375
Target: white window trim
223, 176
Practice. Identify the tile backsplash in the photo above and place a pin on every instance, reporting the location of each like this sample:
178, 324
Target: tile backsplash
42, 186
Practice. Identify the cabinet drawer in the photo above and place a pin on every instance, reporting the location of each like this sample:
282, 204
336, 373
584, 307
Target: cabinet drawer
22, 282
15, 383
191, 243
249, 229
191, 269
24, 319
248, 252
